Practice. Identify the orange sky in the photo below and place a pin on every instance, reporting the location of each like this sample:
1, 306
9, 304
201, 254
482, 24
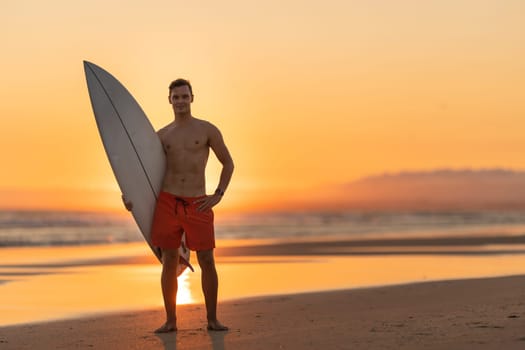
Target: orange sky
306, 93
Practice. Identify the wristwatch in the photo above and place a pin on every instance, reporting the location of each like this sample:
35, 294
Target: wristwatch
219, 192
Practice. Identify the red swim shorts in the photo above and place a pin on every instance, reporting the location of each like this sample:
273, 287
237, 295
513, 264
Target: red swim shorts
175, 215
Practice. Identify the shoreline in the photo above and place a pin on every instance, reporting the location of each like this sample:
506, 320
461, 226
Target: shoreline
68, 278
486, 313
488, 244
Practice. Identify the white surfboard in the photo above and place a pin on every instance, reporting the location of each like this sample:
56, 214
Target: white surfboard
133, 148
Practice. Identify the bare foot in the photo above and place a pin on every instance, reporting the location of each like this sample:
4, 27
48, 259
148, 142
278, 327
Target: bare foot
216, 326
166, 328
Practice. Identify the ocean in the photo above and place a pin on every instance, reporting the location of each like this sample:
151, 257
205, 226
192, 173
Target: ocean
57, 228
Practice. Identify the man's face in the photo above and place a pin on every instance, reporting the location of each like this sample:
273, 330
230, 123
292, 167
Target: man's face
181, 99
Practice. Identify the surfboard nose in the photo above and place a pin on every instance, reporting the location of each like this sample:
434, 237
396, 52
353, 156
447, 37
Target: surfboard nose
86, 64
91, 67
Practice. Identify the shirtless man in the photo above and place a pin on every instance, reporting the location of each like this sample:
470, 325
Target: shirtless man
183, 205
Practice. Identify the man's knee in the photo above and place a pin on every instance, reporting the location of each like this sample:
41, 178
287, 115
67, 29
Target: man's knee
206, 259
170, 256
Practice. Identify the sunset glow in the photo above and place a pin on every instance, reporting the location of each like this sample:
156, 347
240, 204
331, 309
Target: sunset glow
307, 94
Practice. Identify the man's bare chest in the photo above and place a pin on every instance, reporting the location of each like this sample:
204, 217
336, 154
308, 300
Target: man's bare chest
183, 141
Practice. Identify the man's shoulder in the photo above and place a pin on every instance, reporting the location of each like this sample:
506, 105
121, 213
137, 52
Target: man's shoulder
164, 129
200, 121
205, 124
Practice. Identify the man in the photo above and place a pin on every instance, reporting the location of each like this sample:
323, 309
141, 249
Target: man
183, 205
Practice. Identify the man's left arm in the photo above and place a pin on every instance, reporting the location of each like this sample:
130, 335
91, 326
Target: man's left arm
218, 146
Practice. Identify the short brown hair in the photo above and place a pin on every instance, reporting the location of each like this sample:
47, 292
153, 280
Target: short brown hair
180, 82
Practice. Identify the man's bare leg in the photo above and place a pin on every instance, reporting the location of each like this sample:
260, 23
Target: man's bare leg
168, 280
210, 285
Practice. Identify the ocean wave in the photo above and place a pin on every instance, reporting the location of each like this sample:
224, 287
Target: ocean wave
22, 228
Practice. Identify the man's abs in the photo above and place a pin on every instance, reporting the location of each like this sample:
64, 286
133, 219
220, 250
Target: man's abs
184, 184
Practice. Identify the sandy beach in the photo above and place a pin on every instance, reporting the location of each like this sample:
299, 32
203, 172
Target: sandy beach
464, 314
434, 293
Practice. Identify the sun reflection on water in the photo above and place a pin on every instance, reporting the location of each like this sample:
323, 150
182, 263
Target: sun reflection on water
184, 295
148, 277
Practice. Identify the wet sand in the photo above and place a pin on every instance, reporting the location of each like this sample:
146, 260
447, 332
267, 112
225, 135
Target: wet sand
458, 312
463, 314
